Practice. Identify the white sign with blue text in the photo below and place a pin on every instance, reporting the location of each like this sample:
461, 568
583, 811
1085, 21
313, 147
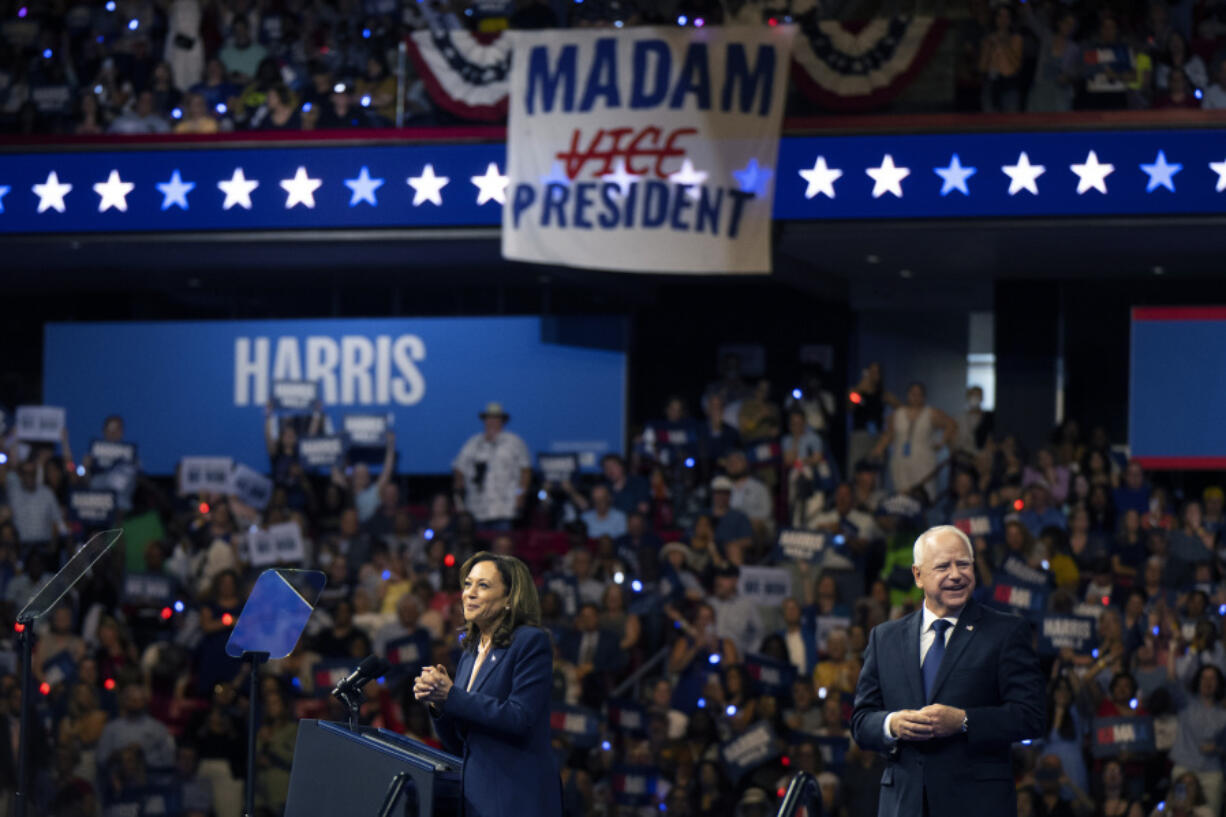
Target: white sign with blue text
645, 149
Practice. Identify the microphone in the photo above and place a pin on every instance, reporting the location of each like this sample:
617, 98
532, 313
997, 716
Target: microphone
372, 666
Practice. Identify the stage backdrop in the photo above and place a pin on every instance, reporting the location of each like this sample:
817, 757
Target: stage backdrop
645, 149
1176, 389
200, 389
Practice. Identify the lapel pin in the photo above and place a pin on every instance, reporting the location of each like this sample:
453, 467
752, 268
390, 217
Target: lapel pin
970, 627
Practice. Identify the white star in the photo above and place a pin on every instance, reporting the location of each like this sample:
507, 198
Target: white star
113, 193
821, 178
1022, 175
300, 189
620, 177
1161, 174
954, 176
1217, 167
174, 192
887, 178
753, 178
238, 190
428, 187
363, 188
689, 178
4, 189
1092, 174
492, 186
51, 193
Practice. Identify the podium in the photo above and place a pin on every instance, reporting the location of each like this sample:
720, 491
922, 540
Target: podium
342, 772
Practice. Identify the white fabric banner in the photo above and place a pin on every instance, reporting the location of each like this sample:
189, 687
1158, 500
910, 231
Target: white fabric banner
645, 149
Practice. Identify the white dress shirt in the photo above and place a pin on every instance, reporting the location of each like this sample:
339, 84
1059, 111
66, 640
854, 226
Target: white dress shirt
927, 637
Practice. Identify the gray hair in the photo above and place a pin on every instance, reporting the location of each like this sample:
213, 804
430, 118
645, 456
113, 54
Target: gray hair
917, 553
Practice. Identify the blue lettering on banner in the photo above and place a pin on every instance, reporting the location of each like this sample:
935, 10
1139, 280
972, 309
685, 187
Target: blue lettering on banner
746, 87
432, 374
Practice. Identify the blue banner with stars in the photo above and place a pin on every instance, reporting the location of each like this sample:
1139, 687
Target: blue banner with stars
877, 176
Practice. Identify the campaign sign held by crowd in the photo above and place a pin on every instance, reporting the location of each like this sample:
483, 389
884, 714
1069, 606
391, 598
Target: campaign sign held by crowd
366, 430
580, 724
749, 750
321, 452
92, 508
1113, 736
628, 716
201, 475
277, 545
1074, 632
42, 424
635, 785
294, 395
765, 585
644, 149
557, 468
561, 379
250, 486
773, 677
107, 455
801, 545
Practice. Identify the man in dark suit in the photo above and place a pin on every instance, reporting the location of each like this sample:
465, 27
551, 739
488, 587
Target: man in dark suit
946, 690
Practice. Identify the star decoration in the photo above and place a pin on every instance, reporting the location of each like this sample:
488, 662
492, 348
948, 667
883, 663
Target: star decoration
113, 193
556, 175
753, 178
689, 178
820, 178
492, 186
428, 187
621, 177
954, 176
363, 188
51, 193
1092, 174
174, 192
887, 178
1217, 167
4, 189
238, 190
1161, 174
1022, 175
300, 189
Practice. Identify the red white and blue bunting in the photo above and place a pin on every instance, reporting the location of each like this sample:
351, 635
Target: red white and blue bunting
843, 68
839, 66
464, 73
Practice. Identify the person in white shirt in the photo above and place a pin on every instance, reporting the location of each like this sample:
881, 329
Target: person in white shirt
493, 471
1215, 94
750, 495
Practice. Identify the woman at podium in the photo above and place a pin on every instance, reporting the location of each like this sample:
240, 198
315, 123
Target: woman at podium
496, 713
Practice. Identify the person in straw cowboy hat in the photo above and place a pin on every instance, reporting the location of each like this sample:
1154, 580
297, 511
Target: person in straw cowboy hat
493, 471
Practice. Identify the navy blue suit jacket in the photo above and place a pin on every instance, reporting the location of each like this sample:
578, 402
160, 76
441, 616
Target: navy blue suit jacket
501, 729
990, 669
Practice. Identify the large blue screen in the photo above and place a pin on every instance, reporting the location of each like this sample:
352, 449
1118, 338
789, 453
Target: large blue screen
200, 389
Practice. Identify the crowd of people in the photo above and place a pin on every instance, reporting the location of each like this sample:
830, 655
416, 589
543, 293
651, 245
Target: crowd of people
203, 66
709, 594
1058, 56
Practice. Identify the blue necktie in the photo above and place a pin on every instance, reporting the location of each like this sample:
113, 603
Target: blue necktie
932, 661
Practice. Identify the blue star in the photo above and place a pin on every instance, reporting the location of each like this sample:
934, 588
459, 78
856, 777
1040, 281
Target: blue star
1161, 174
174, 192
954, 176
4, 189
752, 178
363, 188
